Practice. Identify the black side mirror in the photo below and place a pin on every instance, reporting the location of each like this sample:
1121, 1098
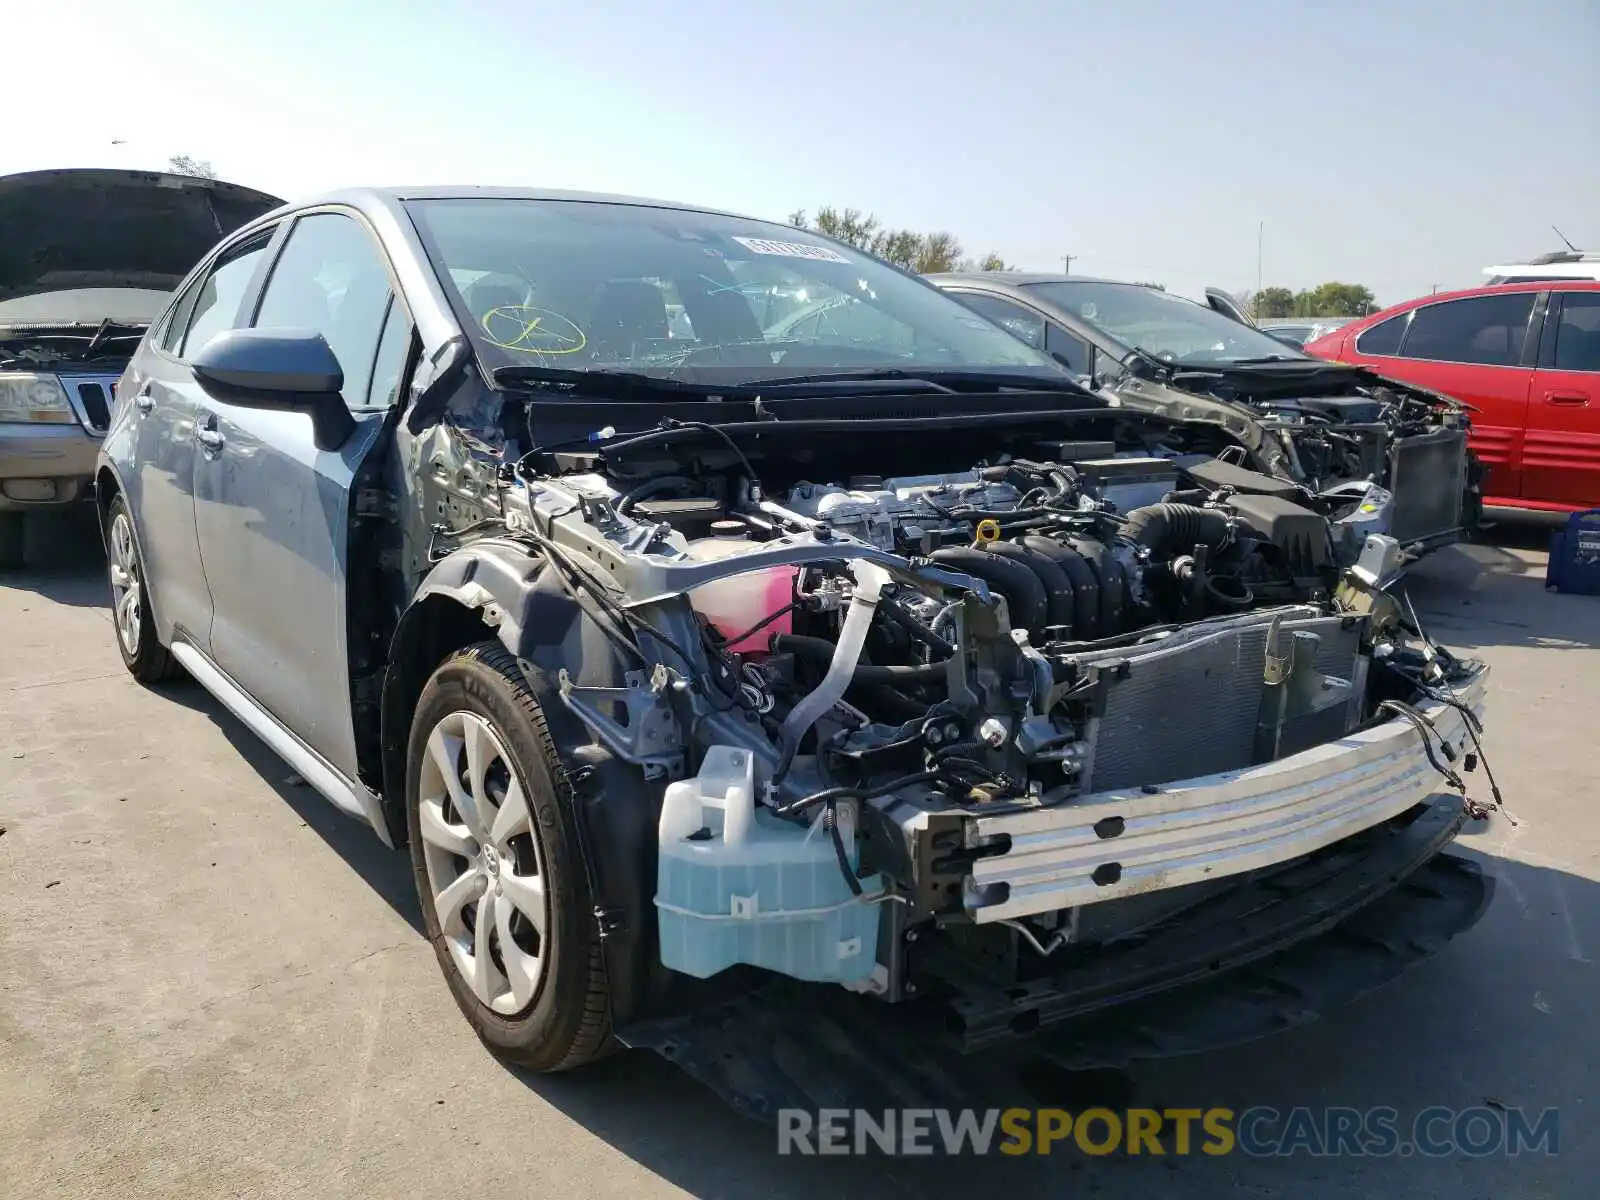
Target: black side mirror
290, 369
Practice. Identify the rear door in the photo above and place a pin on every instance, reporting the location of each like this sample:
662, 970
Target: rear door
163, 412
1561, 459
1478, 350
273, 511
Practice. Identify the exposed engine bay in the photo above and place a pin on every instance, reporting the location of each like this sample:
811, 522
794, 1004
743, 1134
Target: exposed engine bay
1380, 456
982, 700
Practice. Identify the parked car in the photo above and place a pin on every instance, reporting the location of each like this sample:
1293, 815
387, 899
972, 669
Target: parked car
1296, 331
87, 258
867, 660
1558, 266
1525, 358
1369, 452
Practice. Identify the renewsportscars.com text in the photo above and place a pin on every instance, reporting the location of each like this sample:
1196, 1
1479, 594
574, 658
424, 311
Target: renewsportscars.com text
1257, 1132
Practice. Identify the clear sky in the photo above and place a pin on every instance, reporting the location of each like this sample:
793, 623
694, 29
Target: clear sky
1396, 143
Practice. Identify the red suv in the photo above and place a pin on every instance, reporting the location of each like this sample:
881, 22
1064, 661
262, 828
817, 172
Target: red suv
1525, 357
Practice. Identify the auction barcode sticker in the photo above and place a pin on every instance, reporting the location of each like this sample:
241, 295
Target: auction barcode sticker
791, 249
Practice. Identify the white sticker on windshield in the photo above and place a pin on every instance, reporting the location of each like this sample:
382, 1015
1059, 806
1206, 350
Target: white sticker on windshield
791, 249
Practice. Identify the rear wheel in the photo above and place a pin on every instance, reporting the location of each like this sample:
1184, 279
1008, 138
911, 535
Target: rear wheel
146, 658
13, 527
498, 868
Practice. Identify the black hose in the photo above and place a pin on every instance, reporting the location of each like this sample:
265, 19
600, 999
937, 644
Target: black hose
1084, 582
1177, 528
1060, 605
1024, 594
916, 628
1229, 593
830, 795
819, 648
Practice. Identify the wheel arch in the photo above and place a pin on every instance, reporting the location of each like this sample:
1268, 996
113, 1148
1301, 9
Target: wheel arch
500, 589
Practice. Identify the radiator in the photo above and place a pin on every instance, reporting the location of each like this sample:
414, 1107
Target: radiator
1191, 709
1427, 475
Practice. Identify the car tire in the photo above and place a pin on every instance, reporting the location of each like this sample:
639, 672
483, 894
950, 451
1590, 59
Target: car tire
13, 540
484, 867
134, 624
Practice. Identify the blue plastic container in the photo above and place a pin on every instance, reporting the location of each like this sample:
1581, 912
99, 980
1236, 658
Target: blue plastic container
1575, 556
736, 884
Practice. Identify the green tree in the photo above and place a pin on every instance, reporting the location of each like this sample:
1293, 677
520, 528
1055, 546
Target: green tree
923, 253
1335, 299
182, 164
1274, 302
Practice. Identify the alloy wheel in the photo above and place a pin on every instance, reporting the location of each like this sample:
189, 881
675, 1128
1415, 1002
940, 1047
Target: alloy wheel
125, 602
485, 866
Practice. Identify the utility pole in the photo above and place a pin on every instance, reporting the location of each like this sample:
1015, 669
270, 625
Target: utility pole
1261, 238
1066, 263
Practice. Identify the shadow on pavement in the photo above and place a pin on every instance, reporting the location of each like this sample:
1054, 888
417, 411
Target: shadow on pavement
1489, 1024
65, 559
1492, 593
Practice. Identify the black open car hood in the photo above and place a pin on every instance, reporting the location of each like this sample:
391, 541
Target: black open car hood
71, 230
1288, 379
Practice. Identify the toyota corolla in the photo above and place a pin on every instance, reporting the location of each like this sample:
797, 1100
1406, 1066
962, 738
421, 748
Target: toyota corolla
694, 656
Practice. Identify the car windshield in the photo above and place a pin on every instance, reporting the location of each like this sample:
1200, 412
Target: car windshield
691, 296
1167, 326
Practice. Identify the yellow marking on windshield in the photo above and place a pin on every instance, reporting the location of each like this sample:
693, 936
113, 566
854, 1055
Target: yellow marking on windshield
530, 330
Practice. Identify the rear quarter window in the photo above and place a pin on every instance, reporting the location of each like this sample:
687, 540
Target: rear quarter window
1384, 337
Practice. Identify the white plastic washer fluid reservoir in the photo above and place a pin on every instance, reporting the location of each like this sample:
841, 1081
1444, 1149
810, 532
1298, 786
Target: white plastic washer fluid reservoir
736, 884
734, 604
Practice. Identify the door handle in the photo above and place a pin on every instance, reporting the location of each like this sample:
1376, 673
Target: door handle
206, 433
144, 401
1578, 399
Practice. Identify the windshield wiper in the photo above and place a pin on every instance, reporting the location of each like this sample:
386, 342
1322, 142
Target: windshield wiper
618, 385
610, 383
1265, 358
937, 379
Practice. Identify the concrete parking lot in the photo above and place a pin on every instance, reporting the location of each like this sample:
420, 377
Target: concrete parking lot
212, 984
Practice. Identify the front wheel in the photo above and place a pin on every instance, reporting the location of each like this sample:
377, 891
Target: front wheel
498, 868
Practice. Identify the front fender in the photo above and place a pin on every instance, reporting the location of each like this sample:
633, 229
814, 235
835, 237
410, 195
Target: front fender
508, 587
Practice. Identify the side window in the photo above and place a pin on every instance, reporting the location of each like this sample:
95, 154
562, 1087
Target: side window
1016, 320
1487, 330
394, 346
331, 278
216, 304
1578, 334
1106, 366
178, 317
1068, 348
1384, 337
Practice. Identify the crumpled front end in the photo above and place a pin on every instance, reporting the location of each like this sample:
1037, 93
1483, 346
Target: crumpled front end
869, 772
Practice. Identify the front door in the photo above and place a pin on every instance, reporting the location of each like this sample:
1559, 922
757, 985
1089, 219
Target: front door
163, 411
1561, 455
273, 511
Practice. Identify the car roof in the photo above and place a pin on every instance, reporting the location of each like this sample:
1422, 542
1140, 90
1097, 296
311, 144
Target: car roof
1565, 285
394, 197
1019, 278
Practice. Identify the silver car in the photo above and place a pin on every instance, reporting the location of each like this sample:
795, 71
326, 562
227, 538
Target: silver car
865, 659
87, 259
